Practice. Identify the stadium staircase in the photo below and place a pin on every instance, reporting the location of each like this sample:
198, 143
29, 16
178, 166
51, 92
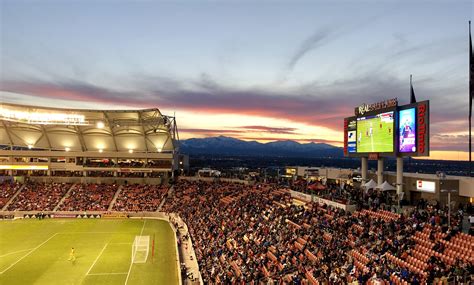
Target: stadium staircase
64, 197
170, 190
186, 251
13, 198
112, 203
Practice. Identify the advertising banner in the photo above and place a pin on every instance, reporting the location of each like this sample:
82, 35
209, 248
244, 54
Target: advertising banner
64, 216
423, 128
407, 131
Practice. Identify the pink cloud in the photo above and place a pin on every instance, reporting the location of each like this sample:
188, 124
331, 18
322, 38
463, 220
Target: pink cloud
324, 108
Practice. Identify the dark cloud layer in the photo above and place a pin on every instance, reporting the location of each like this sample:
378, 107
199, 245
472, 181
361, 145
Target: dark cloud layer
313, 104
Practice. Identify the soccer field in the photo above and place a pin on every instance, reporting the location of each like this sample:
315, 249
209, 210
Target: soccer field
37, 252
375, 135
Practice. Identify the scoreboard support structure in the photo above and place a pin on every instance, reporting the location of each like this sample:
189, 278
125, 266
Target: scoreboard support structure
399, 175
380, 171
364, 169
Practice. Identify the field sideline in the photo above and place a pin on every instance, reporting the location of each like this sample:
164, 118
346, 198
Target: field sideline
37, 252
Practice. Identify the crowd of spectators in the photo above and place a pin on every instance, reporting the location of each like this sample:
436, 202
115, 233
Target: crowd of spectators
39, 196
67, 173
7, 190
100, 173
140, 198
89, 197
347, 194
128, 163
255, 233
131, 174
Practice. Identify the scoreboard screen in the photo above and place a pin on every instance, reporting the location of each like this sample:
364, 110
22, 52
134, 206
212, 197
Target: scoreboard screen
375, 133
384, 129
407, 131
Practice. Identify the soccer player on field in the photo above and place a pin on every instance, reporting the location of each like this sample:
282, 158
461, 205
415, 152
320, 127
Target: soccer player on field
72, 255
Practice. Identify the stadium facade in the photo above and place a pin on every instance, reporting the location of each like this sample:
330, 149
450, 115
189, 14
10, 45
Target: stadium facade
431, 187
41, 141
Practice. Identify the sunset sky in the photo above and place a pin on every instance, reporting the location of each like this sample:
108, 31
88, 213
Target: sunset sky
254, 70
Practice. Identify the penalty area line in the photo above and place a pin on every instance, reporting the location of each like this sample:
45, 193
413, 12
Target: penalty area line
24, 256
71, 233
111, 273
18, 251
97, 258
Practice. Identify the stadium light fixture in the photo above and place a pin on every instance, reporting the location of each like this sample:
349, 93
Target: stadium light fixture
24, 167
101, 150
42, 118
159, 149
30, 146
67, 149
130, 151
100, 125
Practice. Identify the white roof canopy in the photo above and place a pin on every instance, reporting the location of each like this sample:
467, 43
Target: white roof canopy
86, 130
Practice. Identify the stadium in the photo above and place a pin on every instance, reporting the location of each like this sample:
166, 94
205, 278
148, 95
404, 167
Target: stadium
95, 197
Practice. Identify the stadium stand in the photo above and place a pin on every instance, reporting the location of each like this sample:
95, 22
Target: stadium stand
39, 197
140, 198
255, 234
8, 189
89, 197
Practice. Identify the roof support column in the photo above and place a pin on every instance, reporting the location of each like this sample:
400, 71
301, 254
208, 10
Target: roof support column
45, 133
112, 132
81, 138
8, 134
145, 136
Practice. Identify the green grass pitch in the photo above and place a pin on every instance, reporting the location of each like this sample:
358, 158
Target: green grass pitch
381, 139
37, 252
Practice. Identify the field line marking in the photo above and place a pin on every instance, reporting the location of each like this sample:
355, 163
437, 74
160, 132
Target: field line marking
119, 243
143, 227
372, 142
15, 252
97, 258
112, 273
131, 261
70, 233
35, 248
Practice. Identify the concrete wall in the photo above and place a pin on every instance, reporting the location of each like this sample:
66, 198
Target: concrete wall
211, 179
334, 173
412, 194
308, 198
466, 187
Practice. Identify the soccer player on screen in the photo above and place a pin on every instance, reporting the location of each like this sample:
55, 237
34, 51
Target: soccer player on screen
406, 131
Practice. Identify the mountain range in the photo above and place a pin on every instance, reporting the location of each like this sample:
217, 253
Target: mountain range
223, 145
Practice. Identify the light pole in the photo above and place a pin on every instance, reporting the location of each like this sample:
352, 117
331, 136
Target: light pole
449, 191
442, 177
399, 196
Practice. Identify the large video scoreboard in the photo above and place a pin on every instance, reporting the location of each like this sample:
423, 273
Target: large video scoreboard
386, 129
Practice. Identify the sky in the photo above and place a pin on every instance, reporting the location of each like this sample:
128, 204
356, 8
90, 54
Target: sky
253, 70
